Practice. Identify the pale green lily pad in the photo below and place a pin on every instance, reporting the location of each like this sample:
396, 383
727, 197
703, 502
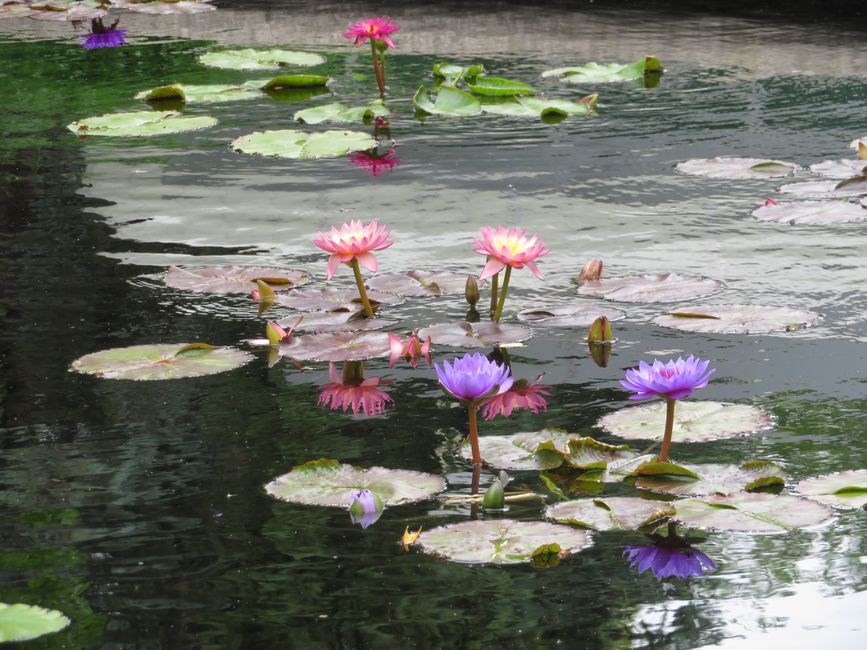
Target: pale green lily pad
449, 101
534, 107
518, 451
290, 81
452, 71
20, 622
326, 482
499, 541
250, 59
338, 112
162, 361
303, 145
737, 168
738, 319
843, 489
713, 478
662, 287
612, 72
193, 94
751, 513
611, 513
811, 213
140, 124
499, 87
693, 421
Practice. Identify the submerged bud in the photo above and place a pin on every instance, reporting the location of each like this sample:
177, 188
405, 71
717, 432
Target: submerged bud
472, 290
495, 497
592, 271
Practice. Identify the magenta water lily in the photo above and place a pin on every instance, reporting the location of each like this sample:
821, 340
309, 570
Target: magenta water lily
378, 31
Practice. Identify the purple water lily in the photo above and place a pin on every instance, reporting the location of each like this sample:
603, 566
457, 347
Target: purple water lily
102, 36
666, 561
365, 508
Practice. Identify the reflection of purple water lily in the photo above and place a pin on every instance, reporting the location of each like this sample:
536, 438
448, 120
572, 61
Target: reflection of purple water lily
375, 164
667, 557
354, 392
365, 508
102, 36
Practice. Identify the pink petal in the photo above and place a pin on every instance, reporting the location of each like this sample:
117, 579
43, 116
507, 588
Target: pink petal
493, 267
367, 260
333, 263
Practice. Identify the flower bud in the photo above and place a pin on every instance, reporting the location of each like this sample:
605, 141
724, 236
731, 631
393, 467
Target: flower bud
472, 290
592, 271
275, 333
495, 497
600, 331
366, 508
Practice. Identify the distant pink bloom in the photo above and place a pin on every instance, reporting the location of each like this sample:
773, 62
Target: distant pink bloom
770, 202
364, 396
375, 164
412, 350
382, 123
375, 29
509, 247
255, 295
522, 395
354, 241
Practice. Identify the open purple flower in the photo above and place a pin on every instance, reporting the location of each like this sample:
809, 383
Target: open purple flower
102, 36
675, 379
666, 561
473, 377
365, 508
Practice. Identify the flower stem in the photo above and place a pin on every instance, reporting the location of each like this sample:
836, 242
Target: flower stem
382, 72
368, 310
502, 302
474, 435
379, 75
495, 284
669, 427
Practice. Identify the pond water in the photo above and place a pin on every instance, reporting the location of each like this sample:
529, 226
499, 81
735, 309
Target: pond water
138, 509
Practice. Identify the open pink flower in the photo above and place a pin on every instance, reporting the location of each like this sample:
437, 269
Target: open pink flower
522, 395
413, 350
364, 396
375, 29
375, 164
354, 241
509, 247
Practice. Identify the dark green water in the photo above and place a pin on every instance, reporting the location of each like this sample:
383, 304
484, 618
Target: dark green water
137, 508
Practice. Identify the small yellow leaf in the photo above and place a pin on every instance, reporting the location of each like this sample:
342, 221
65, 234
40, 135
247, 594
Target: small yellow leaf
409, 538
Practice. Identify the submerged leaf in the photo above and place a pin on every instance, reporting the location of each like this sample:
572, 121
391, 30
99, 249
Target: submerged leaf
741, 319
499, 87
328, 299
193, 94
291, 81
840, 169
811, 212
420, 283
338, 346
452, 71
169, 7
534, 107
843, 489
594, 73
302, 145
751, 513
163, 361
685, 480
334, 321
664, 287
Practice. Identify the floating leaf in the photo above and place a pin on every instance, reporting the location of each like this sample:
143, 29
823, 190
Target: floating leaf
199, 94
139, 124
582, 453
338, 346
534, 107
736, 168
166, 8
594, 73
611, 513
751, 513
335, 321
474, 335
576, 315
338, 112
843, 489
811, 212
162, 361
329, 483
449, 101
518, 451
20, 622
233, 279
741, 319
450, 70
328, 299
499, 541
251, 59
712, 478
840, 169
826, 189
420, 283
291, 81
73, 12
693, 421
301, 145
665, 287
499, 87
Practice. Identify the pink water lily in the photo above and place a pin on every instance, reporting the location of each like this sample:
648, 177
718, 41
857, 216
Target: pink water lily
413, 350
375, 29
509, 247
353, 241
522, 395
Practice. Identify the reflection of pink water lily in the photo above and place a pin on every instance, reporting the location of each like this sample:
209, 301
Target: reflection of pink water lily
522, 395
412, 350
102, 36
358, 394
375, 164
375, 29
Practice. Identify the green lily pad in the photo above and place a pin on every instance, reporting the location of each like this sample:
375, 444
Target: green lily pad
420, 283
577, 315
585, 454
73, 12
302, 145
499, 87
611, 513
811, 213
286, 81
693, 421
449, 101
250, 59
594, 73
736, 168
738, 319
338, 112
664, 287
326, 482
713, 478
474, 335
20, 622
192, 94
161, 361
843, 489
499, 541
518, 451
140, 124
534, 107
233, 279
452, 71
751, 513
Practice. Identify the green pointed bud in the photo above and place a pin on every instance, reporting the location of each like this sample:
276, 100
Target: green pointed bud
472, 290
600, 331
275, 333
495, 497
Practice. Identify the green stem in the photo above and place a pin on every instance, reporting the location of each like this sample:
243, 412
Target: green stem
379, 76
368, 310
474, 435
495, 283
382, 71
669, 427
353, 372
502, 302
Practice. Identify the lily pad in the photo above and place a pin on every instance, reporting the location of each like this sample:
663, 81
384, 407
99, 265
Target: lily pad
840, 169
420, 283
665, 287
452, 71
751, 513
327, 482
611, 513
738, 319
713, 478
193, 94
843, 489
250, 59
301, 145
584, 454
286, 81
338, 346
20, 622
161, 361
693, 421
855, 186
338, 112
449, 101
233, 279
534, 107
811, 213
499, 87
499, 541
166, 8
474, 335
594, 73
140, 124
334, 321
736, 168
72, 12
518, 451
328, 299
568, 315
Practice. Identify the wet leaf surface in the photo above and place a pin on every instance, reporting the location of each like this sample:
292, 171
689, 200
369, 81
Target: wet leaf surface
474, 335
233, 279
611, 513
664, 287
162, 361
740, 319
842, 489
751, 513
736, 168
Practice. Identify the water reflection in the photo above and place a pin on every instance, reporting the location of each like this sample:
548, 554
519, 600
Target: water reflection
375, 163
669, 555
351, 391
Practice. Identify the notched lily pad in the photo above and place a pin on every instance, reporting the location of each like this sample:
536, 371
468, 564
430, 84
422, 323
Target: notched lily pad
233, 279
664, 287
736, 168
612, 72
499, 541
842, 489
738, 319
579, 315
751, 513
811, 213
712, 478
20, 622
302, 145
337, 112
693, 421
534, 107
474, 335
328, 299
335, 321
327, 482
420, 283
611, 513
139, 124
518, 451
499, 87
338, 346
251, 59
162, 361
450, 101
840, 169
